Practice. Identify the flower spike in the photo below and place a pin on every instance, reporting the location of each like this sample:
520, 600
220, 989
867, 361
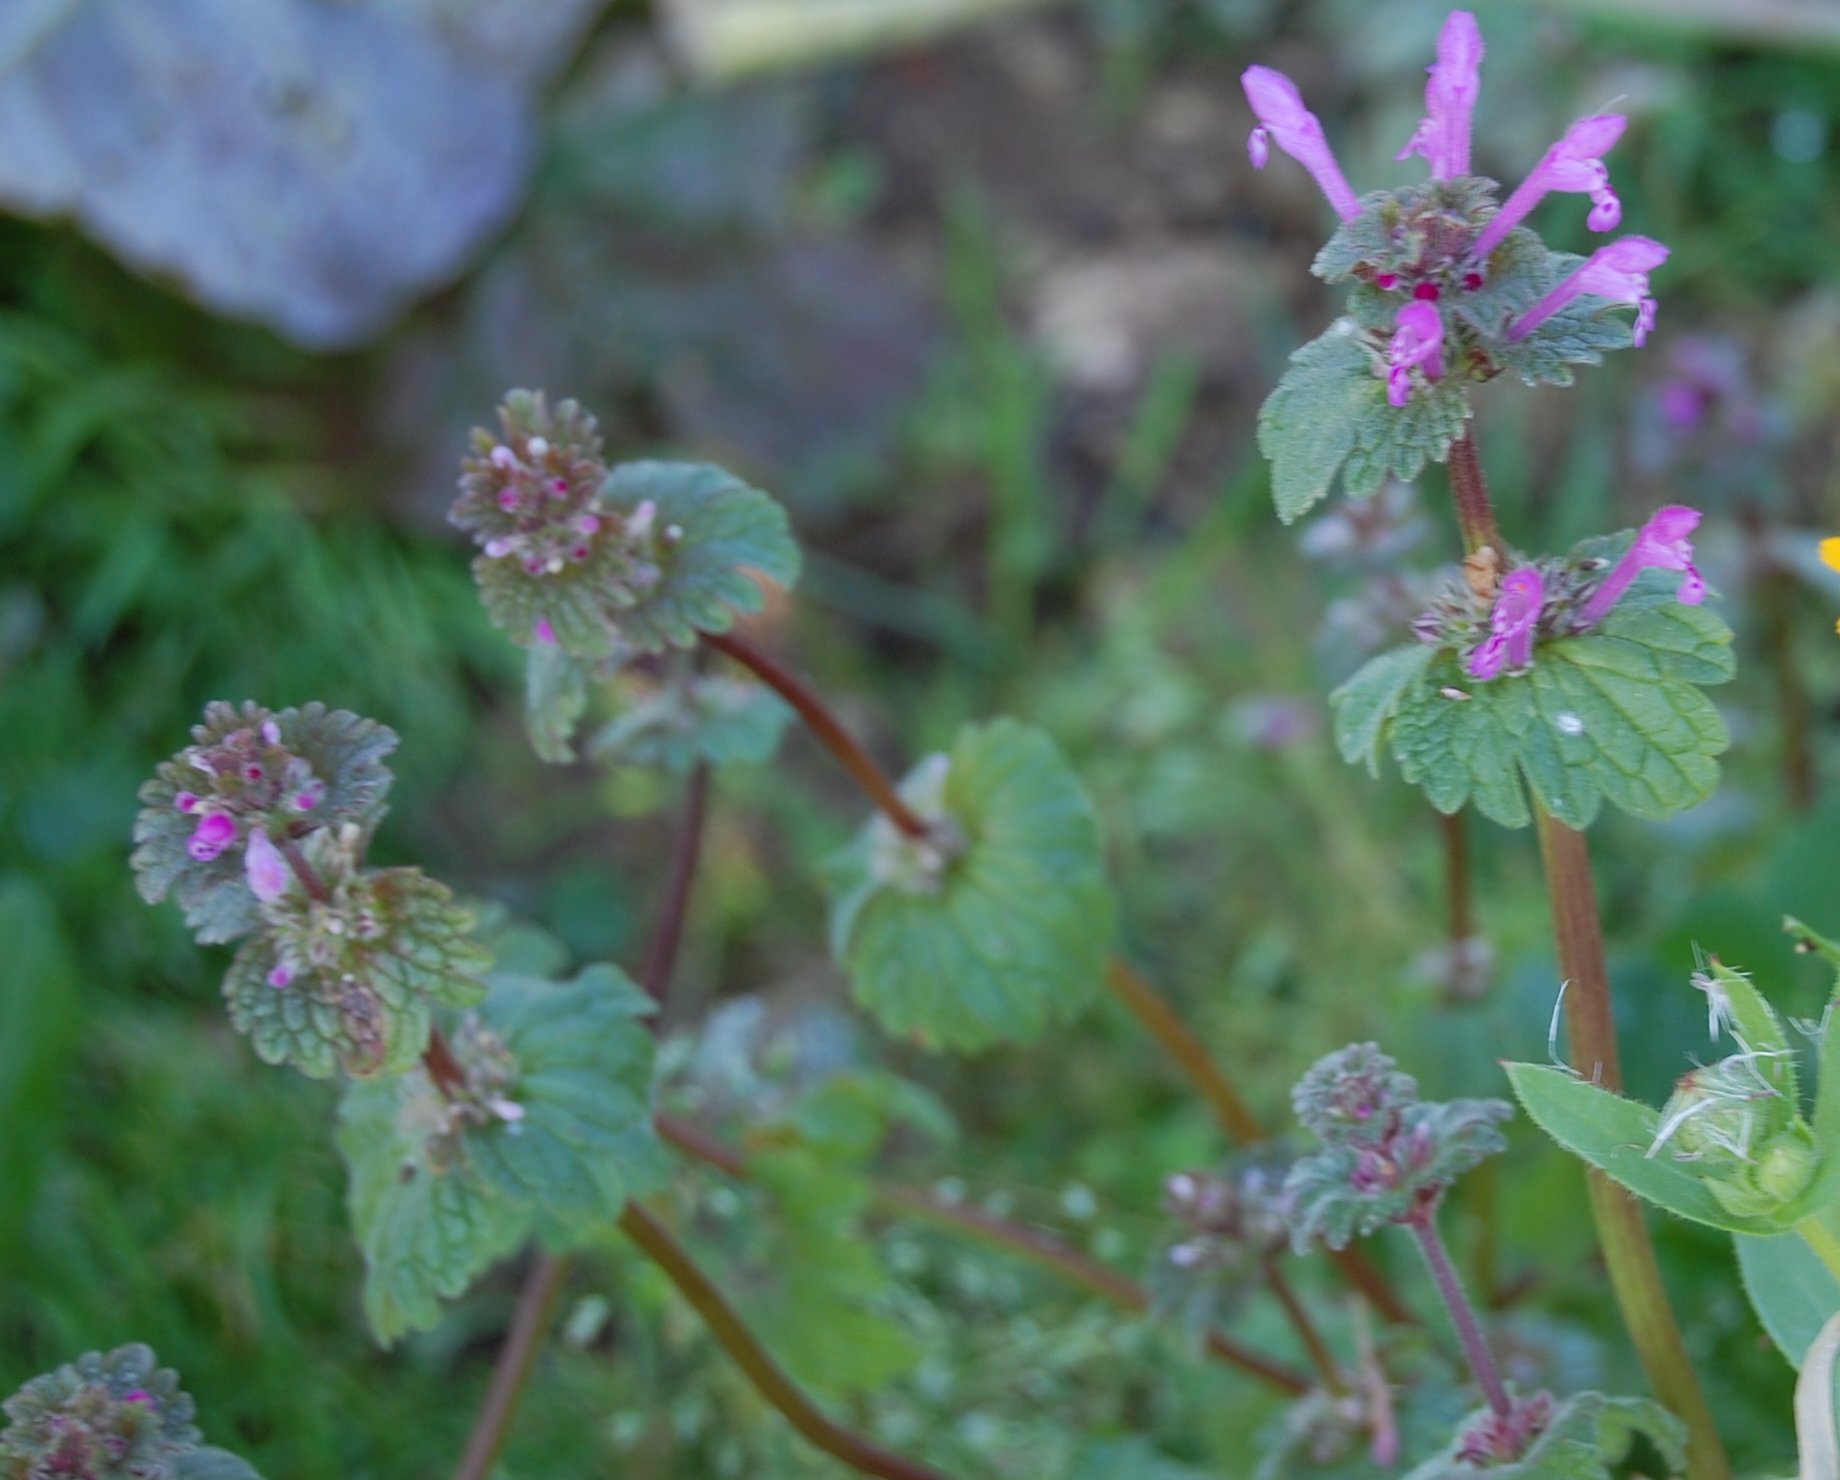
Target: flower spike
1511, 626
1618, 272
1418, 341
1574, 164
1284, 121
1664, 543
1442, 135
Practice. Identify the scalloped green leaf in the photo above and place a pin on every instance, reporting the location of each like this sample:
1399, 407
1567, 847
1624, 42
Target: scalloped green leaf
1581, 333
368, 1010
425, 1233
1614, 1135
1397, 442
551, 1135
1329, 414
1614, 715
1367, 702
1001, 930
1590, 1436
1792, 1290
584, 1057
727, 530
695, 718
1308, 424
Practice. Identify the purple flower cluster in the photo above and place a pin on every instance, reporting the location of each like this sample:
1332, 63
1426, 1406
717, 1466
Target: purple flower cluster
1560, 599
247, 774
1575, 164
1386, 1155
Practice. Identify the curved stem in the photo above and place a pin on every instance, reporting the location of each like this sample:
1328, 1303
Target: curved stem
304, 871
769, 1378
668, 936
1159, 1019
1313, 1344
1629, 1253
536, 1305
543, 1285
824, 725
1032, 1244
1462, 1314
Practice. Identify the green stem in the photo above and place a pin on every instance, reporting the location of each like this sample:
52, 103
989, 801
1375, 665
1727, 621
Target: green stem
1469, 491
1160, 1021
824, 726
1629, 1253
1030, 1243
535, 1308
1819, 1237
768, 1377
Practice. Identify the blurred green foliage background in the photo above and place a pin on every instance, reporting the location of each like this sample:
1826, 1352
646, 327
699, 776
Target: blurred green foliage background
993, 315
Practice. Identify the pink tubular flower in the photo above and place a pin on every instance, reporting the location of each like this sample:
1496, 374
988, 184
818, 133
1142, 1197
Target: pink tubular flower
1664, 543
265, 868
1618, 272
1511, 626
214, 833
544, 632
1284, 121
1442, 135
1575, 164
1419, 340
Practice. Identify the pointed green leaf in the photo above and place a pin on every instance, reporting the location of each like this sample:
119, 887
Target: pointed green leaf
1790, 1287
1397, 441
1615, 1135
998, 927
1754, 1024
725, 531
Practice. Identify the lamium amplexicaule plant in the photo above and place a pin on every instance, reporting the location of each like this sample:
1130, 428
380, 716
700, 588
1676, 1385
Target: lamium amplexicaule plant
493, 1100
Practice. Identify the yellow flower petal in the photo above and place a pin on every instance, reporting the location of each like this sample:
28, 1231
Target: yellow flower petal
1830, 552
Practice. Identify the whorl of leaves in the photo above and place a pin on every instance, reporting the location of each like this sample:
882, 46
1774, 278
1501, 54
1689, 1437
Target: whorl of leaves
350, 981
119, 1416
